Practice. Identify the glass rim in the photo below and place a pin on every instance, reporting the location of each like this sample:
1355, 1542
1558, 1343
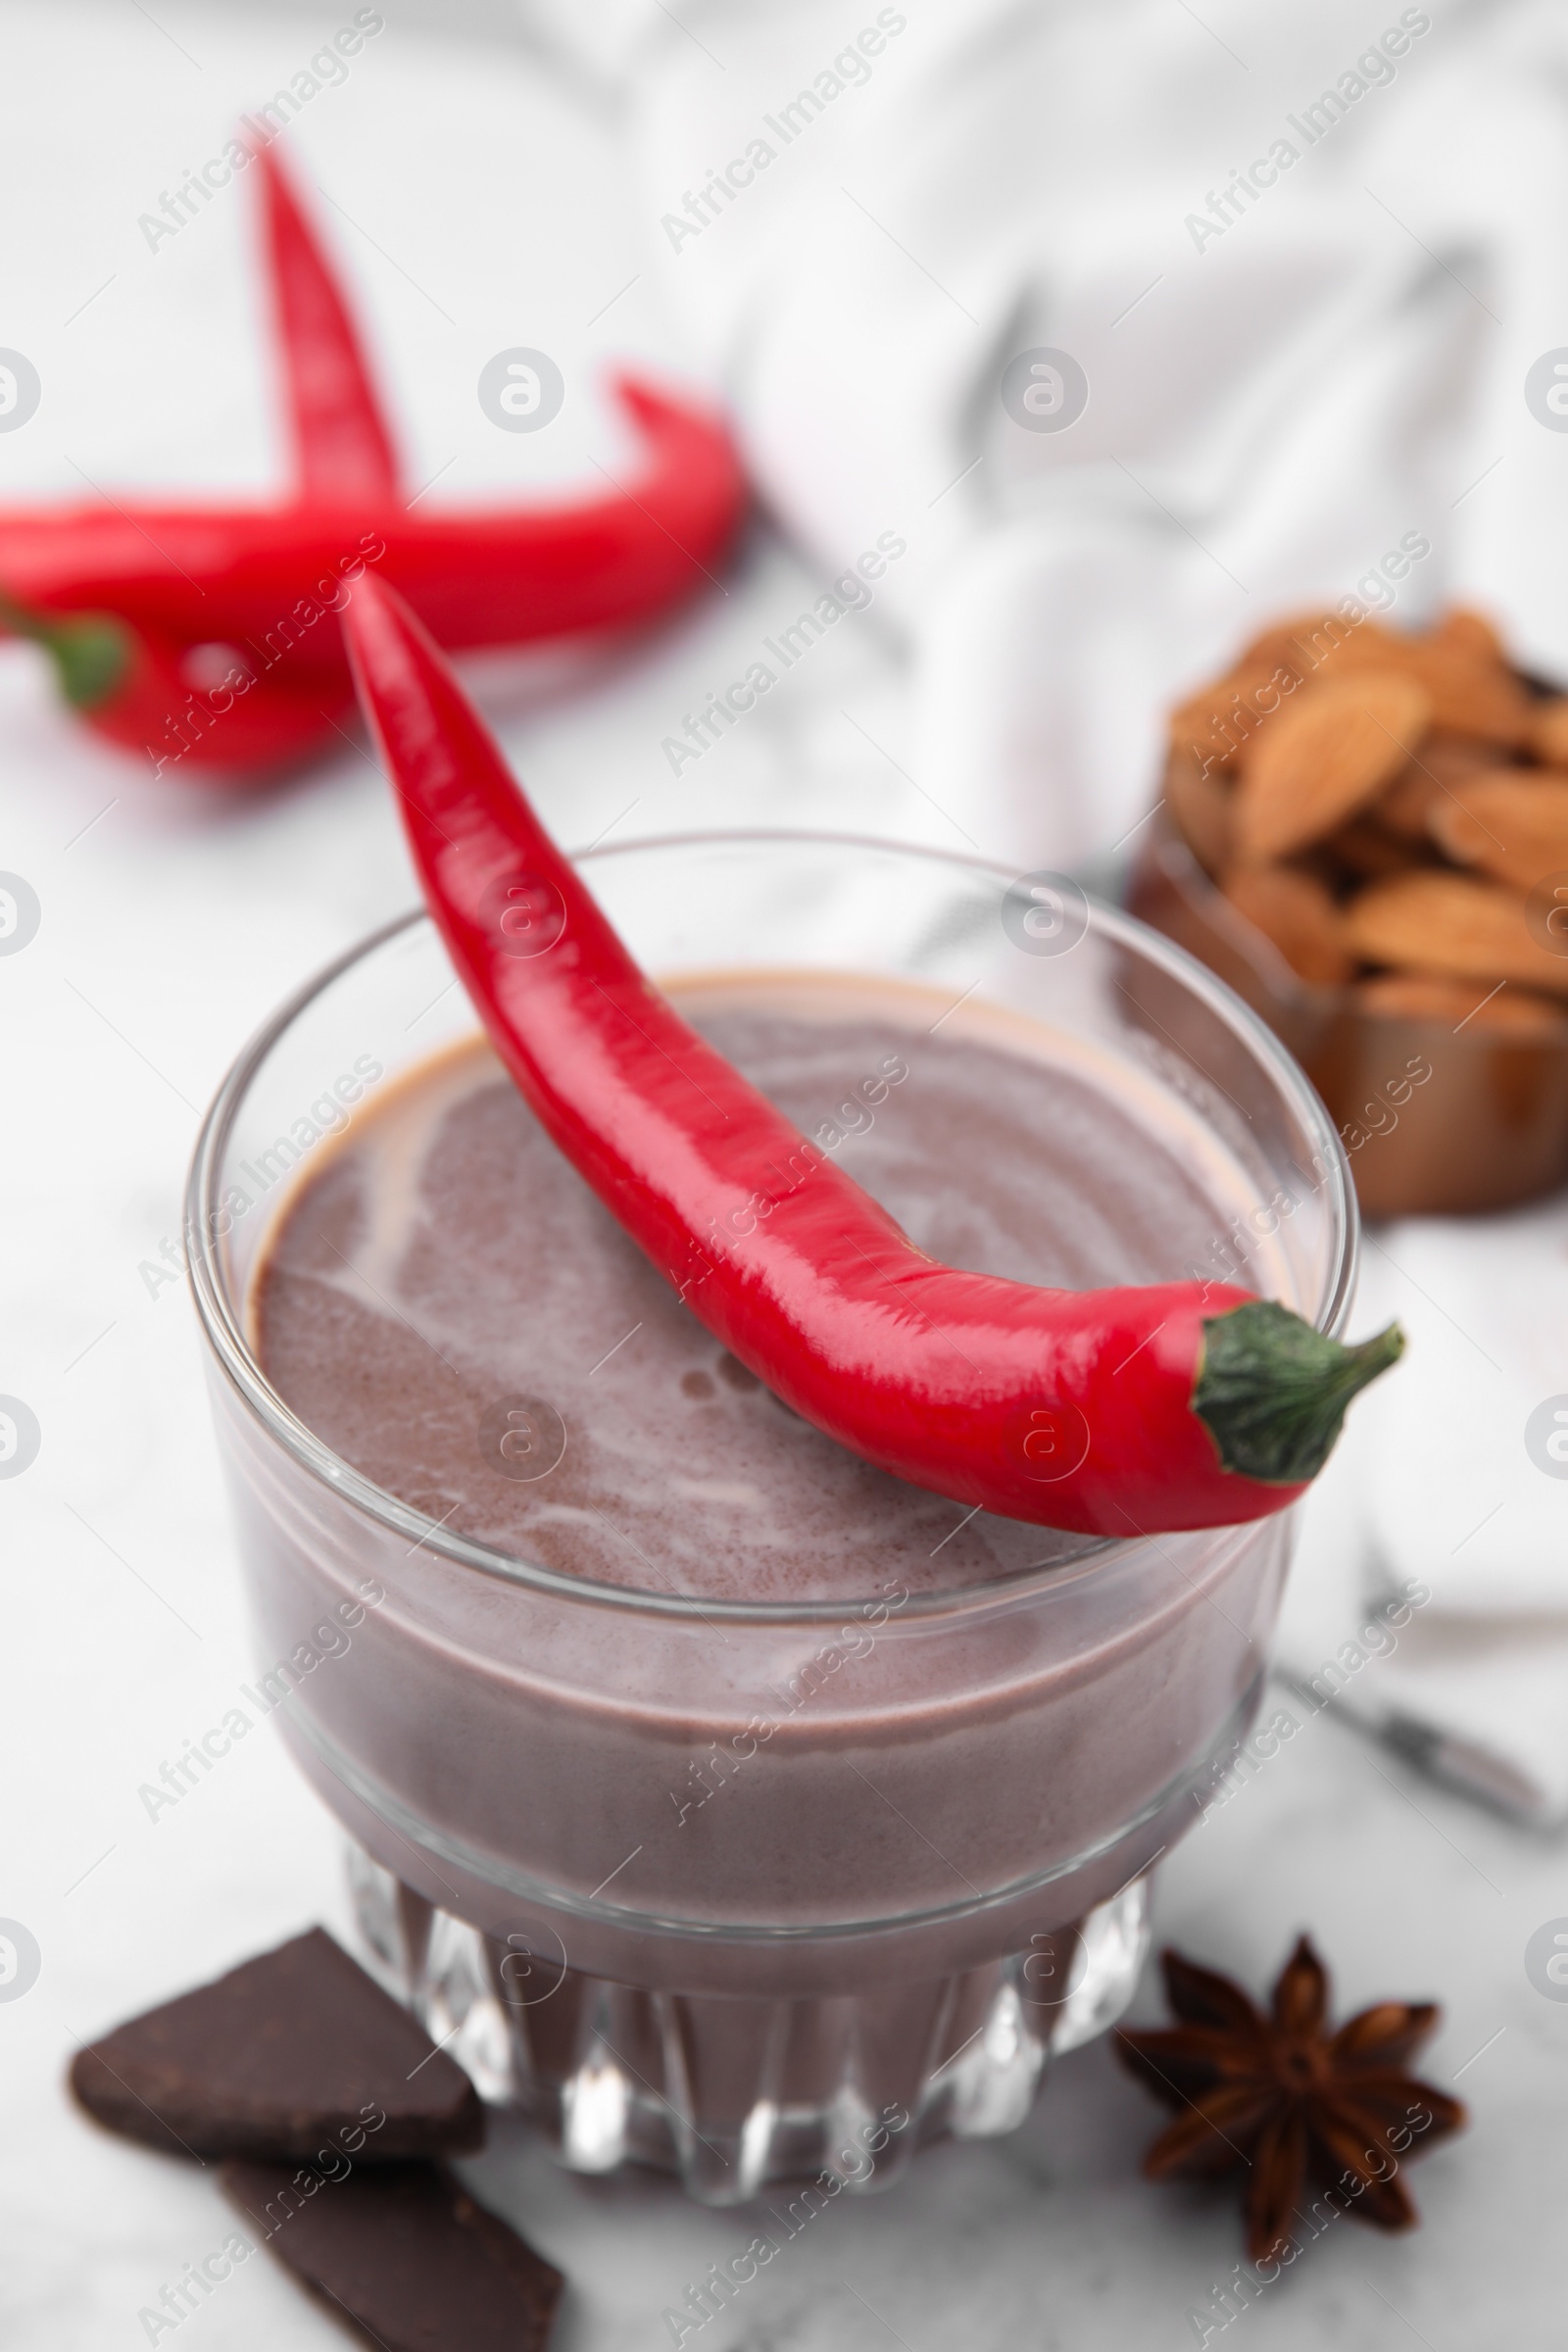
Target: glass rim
223, 1328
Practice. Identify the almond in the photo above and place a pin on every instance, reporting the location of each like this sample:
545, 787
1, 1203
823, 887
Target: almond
1513, 824
1547, 737
1402, 807
1200, 804
1331, 749
1294, 912
1470, 635
1442, 761
1477, 700
1460, 663
1469, 696
1416, 996
1214, 726
1439, 922
1451, 758
1365, 848
1306, 640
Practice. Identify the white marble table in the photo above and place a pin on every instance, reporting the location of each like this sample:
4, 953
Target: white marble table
172, 923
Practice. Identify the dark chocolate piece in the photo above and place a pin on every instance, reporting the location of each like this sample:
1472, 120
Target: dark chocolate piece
406, 2252
295, 2055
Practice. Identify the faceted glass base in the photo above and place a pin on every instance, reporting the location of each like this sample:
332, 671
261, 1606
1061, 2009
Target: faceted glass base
732, 2094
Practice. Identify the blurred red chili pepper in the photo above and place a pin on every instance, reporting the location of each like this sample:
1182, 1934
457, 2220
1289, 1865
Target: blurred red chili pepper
143, 692
342, 447
1117, 1412
197, 630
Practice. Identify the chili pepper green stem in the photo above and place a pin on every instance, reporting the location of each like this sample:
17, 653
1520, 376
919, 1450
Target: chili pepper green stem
91, 652
1272, 1392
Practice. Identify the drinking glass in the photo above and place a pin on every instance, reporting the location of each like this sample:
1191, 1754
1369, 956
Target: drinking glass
970, 1784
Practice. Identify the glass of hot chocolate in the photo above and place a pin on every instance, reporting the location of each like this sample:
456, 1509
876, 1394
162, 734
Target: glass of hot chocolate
734, 1806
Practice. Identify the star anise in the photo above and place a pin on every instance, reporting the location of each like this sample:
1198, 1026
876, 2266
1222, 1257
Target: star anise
1294, 2102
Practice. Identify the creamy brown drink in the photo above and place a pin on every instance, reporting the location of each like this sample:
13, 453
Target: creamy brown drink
447, 1259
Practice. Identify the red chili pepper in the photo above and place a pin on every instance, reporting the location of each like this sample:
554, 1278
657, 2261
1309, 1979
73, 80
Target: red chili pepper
343, 449
176, 597
146, 694
1170, 1405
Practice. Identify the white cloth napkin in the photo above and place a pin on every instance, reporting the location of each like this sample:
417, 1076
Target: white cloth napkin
1284, 382
1447, 1506
861, 216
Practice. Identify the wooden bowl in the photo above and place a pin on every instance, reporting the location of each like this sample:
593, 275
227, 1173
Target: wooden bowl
1437, 1121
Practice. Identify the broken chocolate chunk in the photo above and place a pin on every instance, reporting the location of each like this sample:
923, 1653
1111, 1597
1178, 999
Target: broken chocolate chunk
297, 2055
405, 2252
